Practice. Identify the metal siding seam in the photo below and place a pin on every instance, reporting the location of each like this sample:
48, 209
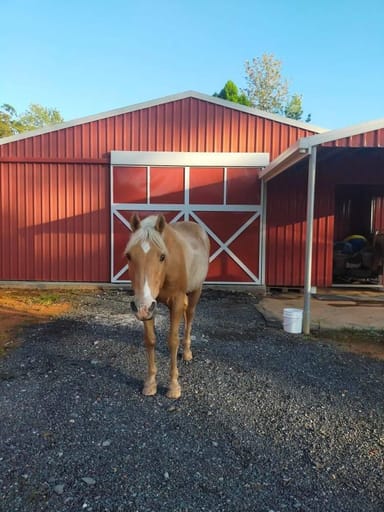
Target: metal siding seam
226, 130
235, 131
44, 202
61, 221
258, 135
85, 212
185, 132
242, 133
51, 239
267, 137
2, 217
193, 129
98, 260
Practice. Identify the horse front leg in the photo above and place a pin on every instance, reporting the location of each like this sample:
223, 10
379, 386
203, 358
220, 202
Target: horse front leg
150, 384
193, 299
176, 314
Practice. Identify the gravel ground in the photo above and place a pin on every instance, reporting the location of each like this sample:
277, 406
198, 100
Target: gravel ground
268, 421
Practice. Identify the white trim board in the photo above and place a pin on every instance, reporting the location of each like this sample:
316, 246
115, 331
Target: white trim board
169, 158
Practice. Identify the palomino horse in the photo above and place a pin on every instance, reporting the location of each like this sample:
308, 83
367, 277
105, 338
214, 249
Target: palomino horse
167, 263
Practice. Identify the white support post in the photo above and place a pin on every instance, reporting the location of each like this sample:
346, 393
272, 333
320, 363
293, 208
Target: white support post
263, 223
309, 240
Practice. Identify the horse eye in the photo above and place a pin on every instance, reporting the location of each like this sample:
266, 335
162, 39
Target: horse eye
162, 257
128, 256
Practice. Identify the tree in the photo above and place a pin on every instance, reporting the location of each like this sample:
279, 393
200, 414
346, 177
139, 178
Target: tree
230, 92
268, 90
36, 116
8, 120
294, 109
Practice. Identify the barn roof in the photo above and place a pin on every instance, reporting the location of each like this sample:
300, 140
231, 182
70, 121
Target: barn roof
364, 135
161, 101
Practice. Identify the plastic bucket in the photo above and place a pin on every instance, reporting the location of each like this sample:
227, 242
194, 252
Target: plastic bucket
293, 320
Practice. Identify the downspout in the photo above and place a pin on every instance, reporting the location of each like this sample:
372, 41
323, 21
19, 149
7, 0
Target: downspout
309, 239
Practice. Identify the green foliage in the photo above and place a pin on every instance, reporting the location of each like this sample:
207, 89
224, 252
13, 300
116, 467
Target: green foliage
44, 298
294, 109
36, 116
230, 92
8, 120
268, 90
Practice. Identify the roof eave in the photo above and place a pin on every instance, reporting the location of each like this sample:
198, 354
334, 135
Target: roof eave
289, 157
343, 133
161, 101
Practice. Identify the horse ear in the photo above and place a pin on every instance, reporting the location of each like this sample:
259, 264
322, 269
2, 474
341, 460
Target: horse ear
135, 222
160, 223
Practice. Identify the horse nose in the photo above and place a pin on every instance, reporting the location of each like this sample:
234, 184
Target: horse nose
134, 307
152, 307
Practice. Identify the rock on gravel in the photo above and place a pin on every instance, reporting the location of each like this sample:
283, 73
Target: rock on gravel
267, 420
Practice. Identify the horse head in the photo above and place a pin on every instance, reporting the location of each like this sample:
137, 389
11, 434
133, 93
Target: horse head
146, 253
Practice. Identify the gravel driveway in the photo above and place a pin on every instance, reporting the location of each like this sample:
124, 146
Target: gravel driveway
268, 421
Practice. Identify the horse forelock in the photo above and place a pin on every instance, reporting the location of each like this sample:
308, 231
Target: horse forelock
147, 233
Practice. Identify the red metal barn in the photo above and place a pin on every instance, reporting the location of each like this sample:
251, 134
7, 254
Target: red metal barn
320, 191
67, 192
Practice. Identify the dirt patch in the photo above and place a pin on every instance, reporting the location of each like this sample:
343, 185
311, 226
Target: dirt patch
19, 308
367, 342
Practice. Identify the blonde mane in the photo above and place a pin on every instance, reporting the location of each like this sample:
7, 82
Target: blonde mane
147, 233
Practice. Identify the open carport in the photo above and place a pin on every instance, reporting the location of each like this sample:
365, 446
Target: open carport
322, 189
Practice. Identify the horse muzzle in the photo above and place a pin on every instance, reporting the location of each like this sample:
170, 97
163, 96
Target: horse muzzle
143, 312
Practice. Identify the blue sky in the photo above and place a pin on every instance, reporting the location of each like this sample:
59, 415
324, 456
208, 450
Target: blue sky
84, 57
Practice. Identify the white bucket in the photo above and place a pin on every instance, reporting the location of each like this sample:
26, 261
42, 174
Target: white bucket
293, 320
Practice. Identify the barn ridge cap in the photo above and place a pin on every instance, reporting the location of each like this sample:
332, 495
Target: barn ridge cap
161, 101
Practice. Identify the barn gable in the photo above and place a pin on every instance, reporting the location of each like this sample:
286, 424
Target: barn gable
65, 203
189, 121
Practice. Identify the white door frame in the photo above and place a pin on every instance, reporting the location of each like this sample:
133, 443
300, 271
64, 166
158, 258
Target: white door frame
186, 210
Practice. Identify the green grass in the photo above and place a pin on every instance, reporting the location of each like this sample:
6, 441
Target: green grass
44, 298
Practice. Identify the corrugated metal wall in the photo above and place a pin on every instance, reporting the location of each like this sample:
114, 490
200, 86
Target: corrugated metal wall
285, 230
55, 220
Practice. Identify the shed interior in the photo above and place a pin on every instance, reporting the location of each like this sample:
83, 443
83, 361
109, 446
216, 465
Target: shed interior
358, 234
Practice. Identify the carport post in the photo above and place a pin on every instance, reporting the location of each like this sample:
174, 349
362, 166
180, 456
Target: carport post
309, 239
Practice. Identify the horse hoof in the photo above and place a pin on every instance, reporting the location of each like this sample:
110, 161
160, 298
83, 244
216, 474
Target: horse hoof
149, 389
174, 392
187, 355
